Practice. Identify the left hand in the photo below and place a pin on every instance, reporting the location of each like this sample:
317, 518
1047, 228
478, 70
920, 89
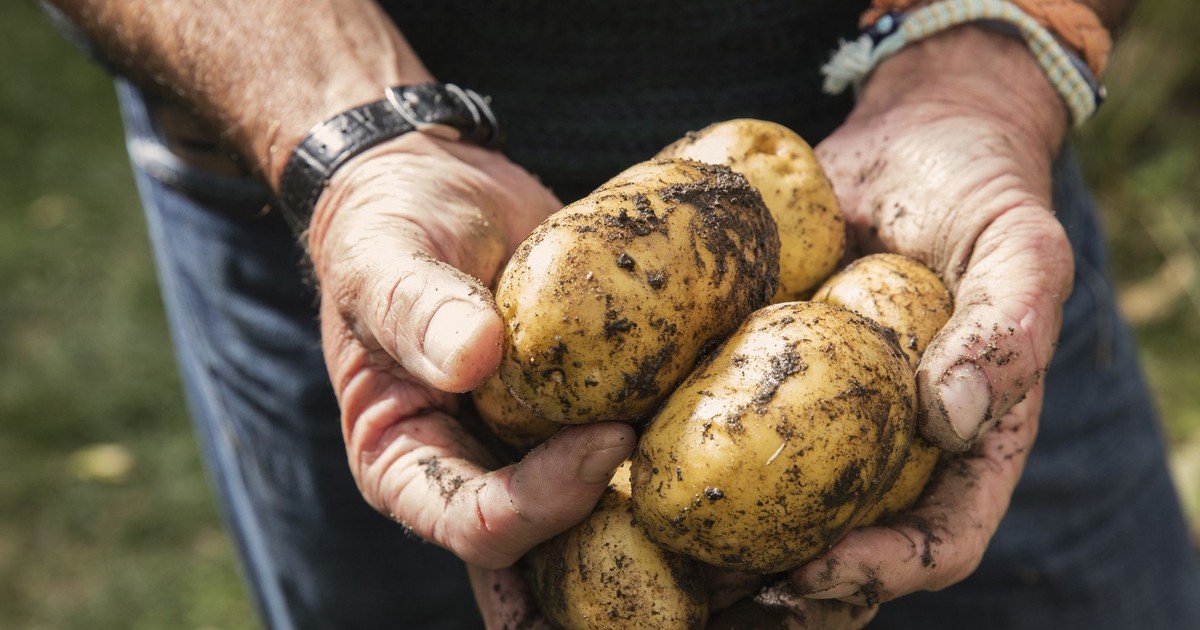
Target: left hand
947, 159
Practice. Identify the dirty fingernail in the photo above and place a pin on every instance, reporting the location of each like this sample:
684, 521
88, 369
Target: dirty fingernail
966, 398
599, 465
844, 589
451, 327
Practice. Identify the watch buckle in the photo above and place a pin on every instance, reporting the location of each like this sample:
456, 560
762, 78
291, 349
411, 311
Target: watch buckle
406, 111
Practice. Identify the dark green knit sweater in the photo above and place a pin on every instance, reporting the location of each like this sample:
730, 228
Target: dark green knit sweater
589, 87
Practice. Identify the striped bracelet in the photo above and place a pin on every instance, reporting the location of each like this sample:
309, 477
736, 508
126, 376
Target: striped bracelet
1069, 75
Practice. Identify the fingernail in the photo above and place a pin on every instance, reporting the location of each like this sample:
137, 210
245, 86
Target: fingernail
844, 589
966, 398
599, 465
451, 326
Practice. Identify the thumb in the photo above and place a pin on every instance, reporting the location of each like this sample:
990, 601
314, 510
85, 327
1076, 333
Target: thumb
999, 342
439, 323
403, 239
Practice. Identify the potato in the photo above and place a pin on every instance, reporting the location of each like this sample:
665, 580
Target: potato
899, 293
610, 301
509, 420
896, 292
605, 573
774, 445
781, 165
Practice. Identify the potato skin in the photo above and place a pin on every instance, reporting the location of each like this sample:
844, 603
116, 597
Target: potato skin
771, 448
604, 573
509, 420
898, 293
784, 169
903, 295
609, 302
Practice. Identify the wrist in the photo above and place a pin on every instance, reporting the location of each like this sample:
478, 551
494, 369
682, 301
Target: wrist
444, 111
353, 189
970, 71
413, 172
282, 129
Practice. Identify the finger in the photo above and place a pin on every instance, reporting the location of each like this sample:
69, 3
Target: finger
393, 288
505, 600
941, 540
405, 245
999, 341
416, 463
493, 518
725, 587
748, 613
814, 614
780, 606
978, 216
440, 324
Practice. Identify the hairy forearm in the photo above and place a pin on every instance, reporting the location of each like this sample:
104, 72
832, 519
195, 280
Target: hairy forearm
263, 71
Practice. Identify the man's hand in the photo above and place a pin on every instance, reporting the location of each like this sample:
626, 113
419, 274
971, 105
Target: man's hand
777, 605
403, 243
947, 159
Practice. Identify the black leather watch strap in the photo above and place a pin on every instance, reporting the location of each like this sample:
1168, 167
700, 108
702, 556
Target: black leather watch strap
441, 109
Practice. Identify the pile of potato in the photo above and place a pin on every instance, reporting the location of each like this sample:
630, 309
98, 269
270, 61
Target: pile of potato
776, 413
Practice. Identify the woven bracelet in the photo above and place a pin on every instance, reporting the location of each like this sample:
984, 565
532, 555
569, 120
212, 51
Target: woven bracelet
1069, 75
1073, 22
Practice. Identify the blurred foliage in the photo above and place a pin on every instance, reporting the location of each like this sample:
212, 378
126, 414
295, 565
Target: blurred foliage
124, 536
1142, 153
105, 516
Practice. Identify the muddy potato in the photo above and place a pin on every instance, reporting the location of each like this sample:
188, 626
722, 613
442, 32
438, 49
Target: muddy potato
773, 446
609, 302
910, 483
899, 293
509, 420
605, 574
781, 165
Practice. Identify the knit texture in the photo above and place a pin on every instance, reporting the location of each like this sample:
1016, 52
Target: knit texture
590, 87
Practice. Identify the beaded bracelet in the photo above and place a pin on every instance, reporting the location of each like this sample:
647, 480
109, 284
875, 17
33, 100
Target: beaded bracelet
1069, 75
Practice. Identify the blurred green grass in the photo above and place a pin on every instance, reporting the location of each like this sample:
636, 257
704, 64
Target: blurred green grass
85, 357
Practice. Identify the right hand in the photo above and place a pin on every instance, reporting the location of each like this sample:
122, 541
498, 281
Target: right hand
404, 243
743, 600
736, 601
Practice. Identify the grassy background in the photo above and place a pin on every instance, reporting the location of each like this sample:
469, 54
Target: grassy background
105, 517
123, 537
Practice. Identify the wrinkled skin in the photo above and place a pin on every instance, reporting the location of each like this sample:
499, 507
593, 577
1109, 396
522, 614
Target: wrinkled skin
946, 159
403, 243
940, 161
953, 168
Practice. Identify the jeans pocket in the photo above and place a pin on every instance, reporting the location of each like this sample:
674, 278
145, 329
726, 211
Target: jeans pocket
175, 147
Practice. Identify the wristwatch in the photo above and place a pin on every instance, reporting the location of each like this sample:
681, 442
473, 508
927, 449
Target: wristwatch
444, 110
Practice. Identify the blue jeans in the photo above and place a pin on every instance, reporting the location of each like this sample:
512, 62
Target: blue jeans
1094, 538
